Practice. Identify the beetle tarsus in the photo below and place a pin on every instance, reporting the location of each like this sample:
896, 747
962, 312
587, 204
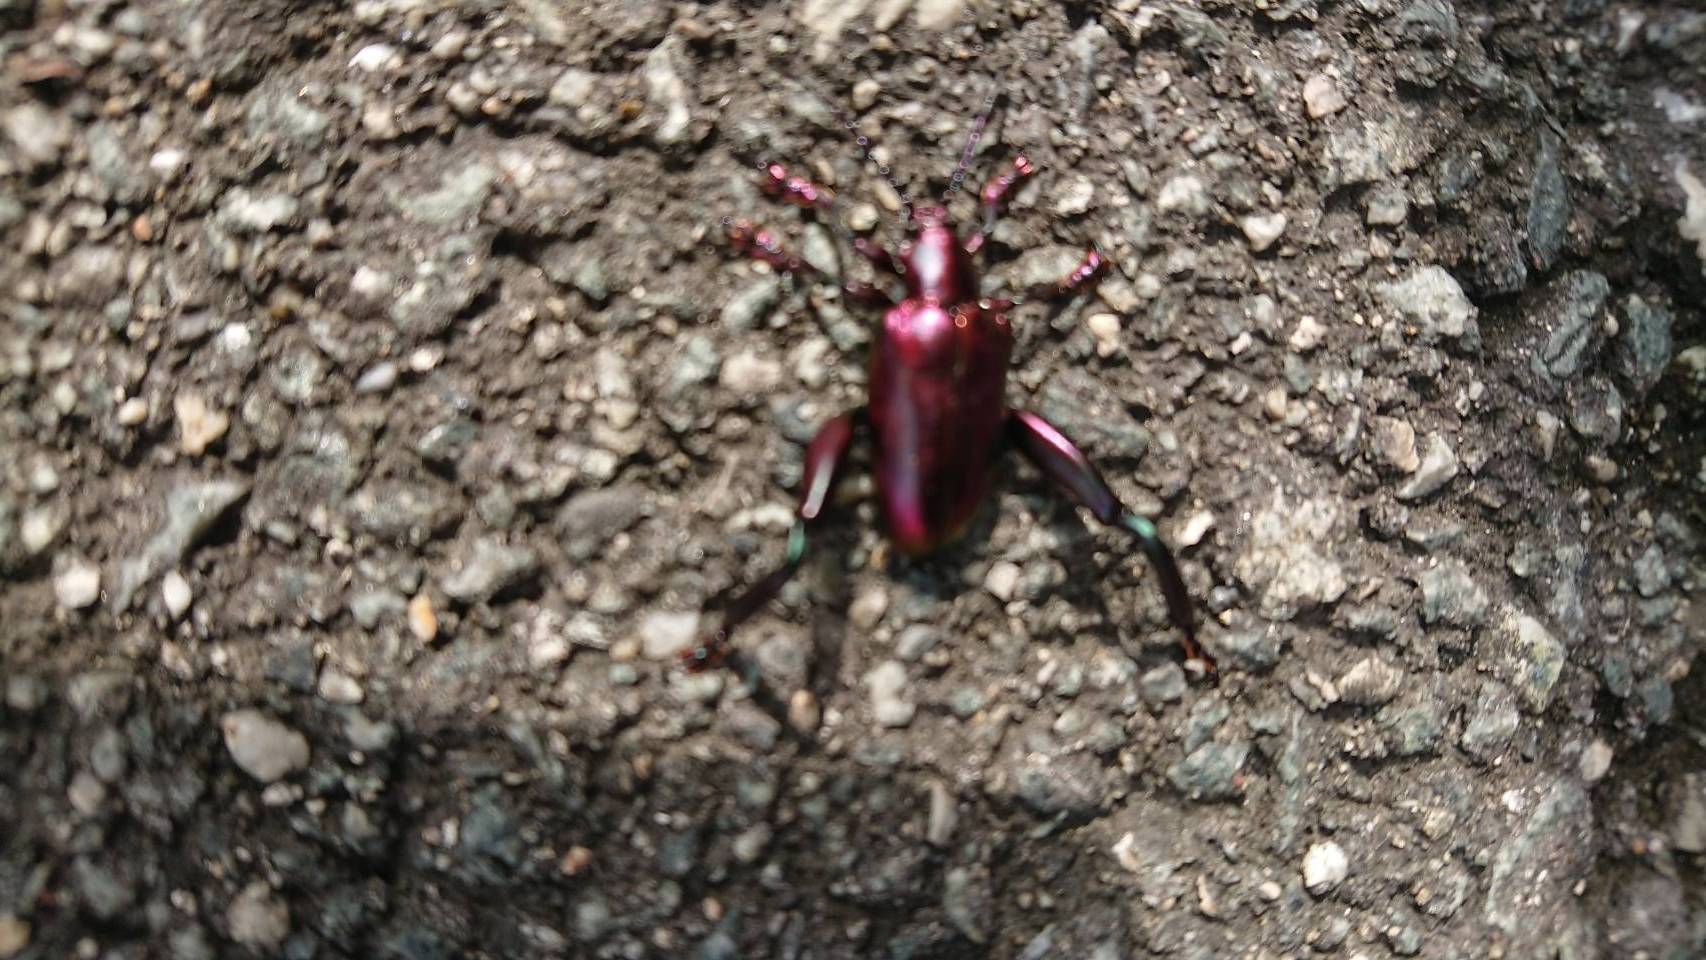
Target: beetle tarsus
1066, 465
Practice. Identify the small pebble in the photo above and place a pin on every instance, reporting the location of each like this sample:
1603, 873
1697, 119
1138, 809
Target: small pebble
1195, 527
1394, 443
1596, 761
1002, 580
175, 592
863, 217
944, 815
804, 714
1322, 97
77, 585
1105, 327
340, 688
258, 918
665, 634
378, 378
1308, 335
132, 412
1263, 230
262, 747
375, 57
1075, 198
865, 94
39, 527
867, 609
423, 622
1324, 867
887, 685
198, 425
14, 935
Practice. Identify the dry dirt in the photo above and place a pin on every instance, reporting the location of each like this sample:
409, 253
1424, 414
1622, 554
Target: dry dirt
381, 408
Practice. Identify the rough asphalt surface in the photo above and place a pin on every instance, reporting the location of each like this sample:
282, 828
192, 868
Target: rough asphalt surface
381, 409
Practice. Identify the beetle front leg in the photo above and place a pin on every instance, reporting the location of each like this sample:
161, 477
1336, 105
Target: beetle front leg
760, 244
1062, 462
995, 196
1089, 271
828, 451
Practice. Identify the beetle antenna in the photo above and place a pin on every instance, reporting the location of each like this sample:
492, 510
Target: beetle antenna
849, 125
957, 182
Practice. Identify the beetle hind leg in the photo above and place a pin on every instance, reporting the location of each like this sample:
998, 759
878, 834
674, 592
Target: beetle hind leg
824, 457
1063, 463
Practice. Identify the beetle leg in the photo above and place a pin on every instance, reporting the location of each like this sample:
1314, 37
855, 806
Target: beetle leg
1086, 274
879, 256
1062, 462
824, 457
798, 191
760, 244
994, 196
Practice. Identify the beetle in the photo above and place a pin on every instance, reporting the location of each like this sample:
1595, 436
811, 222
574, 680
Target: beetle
936, 413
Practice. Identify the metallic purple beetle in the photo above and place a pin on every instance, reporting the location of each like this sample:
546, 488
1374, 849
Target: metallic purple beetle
937, 414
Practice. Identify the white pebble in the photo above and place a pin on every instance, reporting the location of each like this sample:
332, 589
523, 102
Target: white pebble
1002, 580
1596, 761
1324, 867
339, 687
378, 378
375, 57
167, 164
39, 527
132, 412
1194, 529
262, 747
77, 585
1322, 97
1263, 230
175, 591
664, 634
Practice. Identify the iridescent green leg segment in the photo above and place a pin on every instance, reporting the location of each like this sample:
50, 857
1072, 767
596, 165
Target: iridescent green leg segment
1062, 462
824, 457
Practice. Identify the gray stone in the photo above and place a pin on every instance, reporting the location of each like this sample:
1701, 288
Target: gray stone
246, 212
1535, 659
1537, 867
1652, 576
589, 519
1088, 410
1413, 731
1596, 411
1387, 205
263, 747
1255, 648
1643, 350
280, 113
753, 304
916, 641
39, 135
1492, 724
1060, 784
1431, 300
968, 900
1287, 563
460, 195
1211, 771
1548, 205
886, 683
1450, 595
408, 511
190, 512
1577, 328
1371, 151
1371, 682
258, 918
490, 568
106, 892
1164, 684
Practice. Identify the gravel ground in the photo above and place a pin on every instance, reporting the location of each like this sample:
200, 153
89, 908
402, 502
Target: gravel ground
383, 411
